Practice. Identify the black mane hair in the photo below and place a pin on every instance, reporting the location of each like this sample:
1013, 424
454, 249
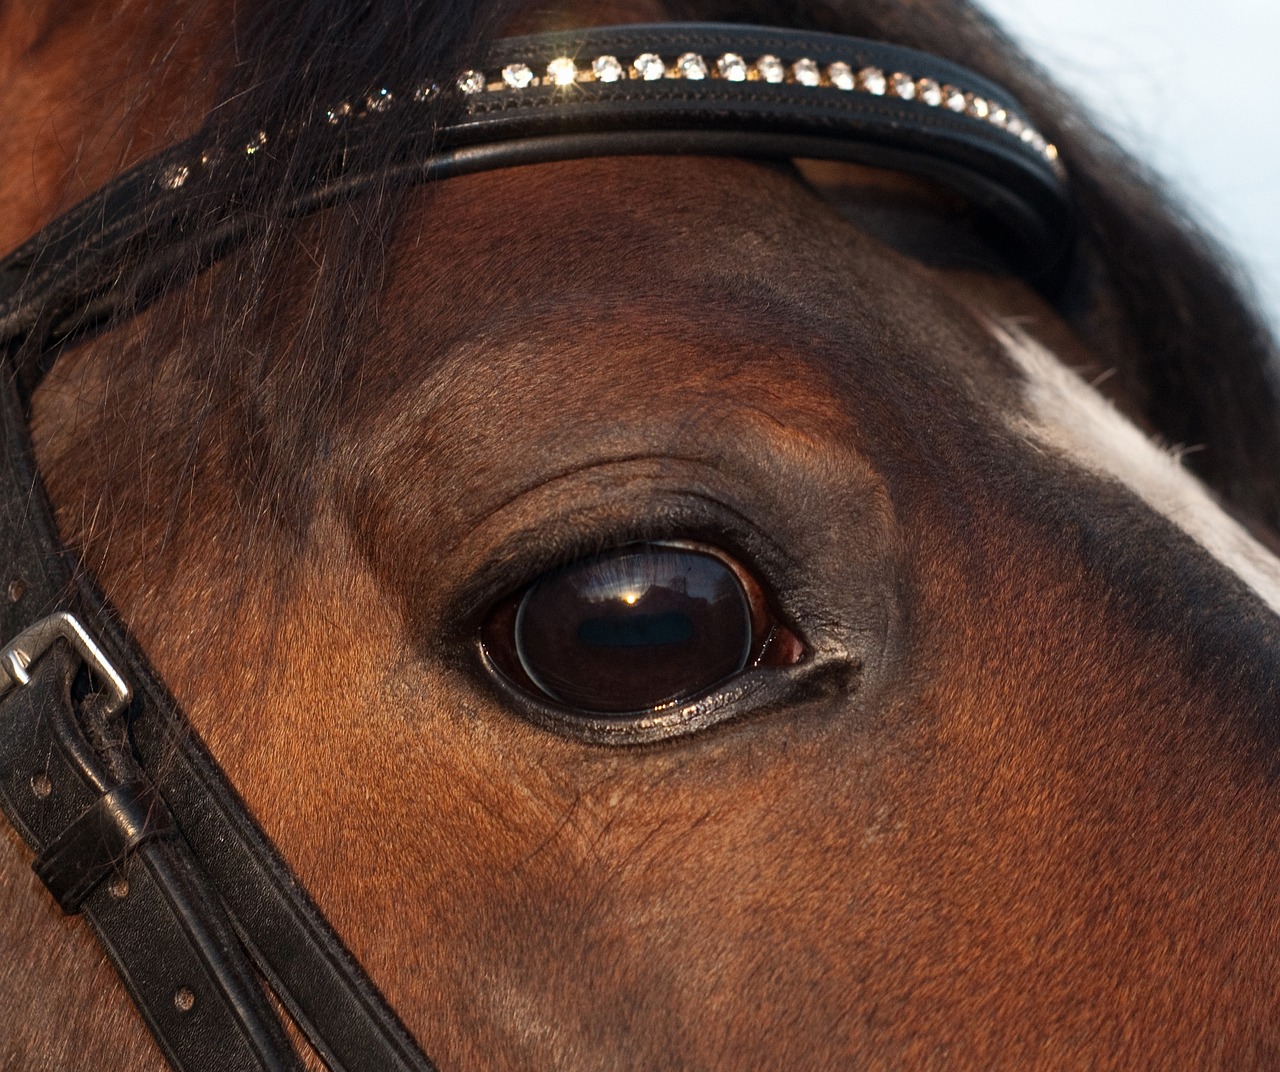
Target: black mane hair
1153, 297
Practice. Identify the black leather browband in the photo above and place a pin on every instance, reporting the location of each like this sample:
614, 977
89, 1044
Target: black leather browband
131, 821
117, 249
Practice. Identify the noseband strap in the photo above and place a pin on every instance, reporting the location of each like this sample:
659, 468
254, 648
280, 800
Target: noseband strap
130, 819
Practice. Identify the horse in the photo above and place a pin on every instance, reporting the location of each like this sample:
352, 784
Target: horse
990, 780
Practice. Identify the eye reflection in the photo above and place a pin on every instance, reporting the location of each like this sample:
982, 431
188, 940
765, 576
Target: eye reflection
634, 629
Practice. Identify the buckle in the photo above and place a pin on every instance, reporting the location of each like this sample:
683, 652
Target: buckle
31, 643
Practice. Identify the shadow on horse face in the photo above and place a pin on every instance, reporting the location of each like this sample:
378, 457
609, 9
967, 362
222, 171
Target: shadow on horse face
1013, 807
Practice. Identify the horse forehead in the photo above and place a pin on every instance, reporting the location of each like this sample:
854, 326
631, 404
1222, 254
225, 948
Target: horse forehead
609, 262
634, 226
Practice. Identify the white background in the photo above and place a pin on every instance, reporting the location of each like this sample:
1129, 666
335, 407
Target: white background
1190, 86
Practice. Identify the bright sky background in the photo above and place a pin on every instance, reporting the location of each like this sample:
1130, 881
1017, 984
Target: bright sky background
1188, 85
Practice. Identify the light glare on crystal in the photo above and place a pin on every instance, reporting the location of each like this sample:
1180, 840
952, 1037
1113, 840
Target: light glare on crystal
517, 75
806, 72
903, 86
257, 143
1015, 126
998, 116
649, 66
338, 113
979, 108
770, 69
562, 71
692, 66
955, 98
929, 92
378, 102
872, 80
732, 67
840, 75
606, 68
471, 82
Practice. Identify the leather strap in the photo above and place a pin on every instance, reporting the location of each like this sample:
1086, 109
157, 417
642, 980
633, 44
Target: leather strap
206, 898
168, 937
107, 832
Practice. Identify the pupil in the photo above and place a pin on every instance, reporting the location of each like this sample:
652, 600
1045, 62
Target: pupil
637, 631
634, 629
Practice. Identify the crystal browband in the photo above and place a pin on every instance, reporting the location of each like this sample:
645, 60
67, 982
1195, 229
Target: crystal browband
563, 72
680, 88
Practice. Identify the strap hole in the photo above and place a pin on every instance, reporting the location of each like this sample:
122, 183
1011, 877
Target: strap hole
41, 786
118, 887
17, 587
185, 999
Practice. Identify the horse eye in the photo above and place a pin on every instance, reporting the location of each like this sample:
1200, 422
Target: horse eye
636, 629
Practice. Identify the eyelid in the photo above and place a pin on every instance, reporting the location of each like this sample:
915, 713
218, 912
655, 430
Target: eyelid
529, 552
752, 693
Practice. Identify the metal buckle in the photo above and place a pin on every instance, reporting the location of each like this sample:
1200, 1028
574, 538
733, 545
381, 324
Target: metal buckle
31, 643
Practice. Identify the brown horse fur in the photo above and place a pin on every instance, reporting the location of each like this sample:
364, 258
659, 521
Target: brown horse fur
1018, 808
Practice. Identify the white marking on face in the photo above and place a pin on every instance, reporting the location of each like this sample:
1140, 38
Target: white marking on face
1071, 419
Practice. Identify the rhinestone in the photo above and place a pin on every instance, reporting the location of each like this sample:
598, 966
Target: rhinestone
172, 178
338, 114
649, 66
471, 82
561, 71
954, 98
732, 67
840, 75
1051, 151
258, 142
1016, 126
903, 85
424, 92
1037, 140
517, 75
770, 69
692, 66
998, 117
606, 68
872, 80
929, 92
378, 102
979, 108
806, 72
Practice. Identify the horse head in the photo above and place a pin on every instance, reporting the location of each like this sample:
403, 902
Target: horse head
958, 748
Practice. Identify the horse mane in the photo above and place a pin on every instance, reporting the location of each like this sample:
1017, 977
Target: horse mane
1152, 296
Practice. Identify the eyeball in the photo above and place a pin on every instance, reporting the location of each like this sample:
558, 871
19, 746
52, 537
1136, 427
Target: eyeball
635, 630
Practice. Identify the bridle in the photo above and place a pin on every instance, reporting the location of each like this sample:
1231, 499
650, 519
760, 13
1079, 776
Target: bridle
132, 822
